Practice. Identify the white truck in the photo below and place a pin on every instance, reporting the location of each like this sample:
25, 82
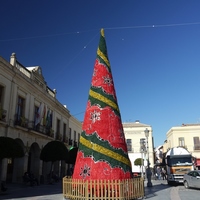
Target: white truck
178, 162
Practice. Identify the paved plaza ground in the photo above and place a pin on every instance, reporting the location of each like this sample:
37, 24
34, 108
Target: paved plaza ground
160, 190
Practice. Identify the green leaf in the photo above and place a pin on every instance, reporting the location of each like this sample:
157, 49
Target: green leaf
54, 151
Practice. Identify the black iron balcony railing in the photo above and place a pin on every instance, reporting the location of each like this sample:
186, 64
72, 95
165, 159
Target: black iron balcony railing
30, 125
41, 129
3, 114
70, 141
21, 121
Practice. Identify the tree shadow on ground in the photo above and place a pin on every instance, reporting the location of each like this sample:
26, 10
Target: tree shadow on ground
19, 191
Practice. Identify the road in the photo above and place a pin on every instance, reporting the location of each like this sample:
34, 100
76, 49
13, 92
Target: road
160, 190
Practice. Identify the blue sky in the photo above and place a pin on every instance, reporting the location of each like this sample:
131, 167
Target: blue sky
153, 48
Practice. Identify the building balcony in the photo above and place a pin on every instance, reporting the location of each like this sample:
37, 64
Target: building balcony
30, 126
21, 121
197, 147
3, 114
43, 130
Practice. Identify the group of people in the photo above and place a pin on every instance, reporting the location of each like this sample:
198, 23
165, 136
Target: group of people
53, 177
70, 171
30, 178
160, 173
3, 187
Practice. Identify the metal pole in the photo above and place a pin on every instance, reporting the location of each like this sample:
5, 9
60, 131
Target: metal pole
142, 172
148, 171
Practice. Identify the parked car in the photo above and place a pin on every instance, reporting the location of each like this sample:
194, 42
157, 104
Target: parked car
192, 179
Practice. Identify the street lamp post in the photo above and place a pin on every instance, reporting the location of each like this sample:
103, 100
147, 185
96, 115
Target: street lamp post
148, 170
142, 174
142, 150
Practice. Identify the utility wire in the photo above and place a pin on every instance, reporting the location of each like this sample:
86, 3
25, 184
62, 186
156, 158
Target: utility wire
78, 113
154, 26
77, 55
109, 28
45, 36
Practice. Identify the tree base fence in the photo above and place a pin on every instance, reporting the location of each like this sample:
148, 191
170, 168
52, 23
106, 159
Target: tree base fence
127, 189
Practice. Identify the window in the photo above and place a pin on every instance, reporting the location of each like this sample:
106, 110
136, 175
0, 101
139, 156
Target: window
1, 95
64, 132
49, 118
196, 143
35, 113
70, 133
9, 161
79, 135
20, 110
58, 135
195, 174
70, 136
129, 144
2, 111
75, 143
179, 161
181, 141
74, 135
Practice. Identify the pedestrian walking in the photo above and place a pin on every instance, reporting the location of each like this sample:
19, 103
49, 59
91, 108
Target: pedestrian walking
163, 173
158, 171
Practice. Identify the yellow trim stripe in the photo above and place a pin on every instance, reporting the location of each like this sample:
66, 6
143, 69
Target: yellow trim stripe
104, 151
103, 99
100, 54
102, 32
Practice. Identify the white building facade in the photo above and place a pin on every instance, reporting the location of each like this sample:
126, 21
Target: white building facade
30, 113
138, 145
187, 136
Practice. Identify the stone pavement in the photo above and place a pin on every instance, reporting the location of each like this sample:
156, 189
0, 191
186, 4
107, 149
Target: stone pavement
160, 190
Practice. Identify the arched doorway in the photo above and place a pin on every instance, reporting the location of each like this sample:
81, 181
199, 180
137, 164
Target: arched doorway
14, 166
34, 160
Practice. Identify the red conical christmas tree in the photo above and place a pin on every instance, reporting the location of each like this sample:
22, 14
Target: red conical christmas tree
102, 152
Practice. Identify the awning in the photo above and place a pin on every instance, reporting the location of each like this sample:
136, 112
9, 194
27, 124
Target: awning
197, 161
